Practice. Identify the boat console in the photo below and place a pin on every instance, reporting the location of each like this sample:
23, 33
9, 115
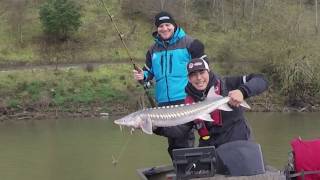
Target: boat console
194, 162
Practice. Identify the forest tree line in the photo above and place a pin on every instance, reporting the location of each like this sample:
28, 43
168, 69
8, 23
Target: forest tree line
279, 38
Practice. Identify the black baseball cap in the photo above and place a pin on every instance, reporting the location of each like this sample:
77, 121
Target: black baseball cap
197, 64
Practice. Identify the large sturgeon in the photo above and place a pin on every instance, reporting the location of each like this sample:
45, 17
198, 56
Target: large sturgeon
175, 115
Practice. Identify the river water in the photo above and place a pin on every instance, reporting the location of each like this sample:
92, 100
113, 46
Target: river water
83, 149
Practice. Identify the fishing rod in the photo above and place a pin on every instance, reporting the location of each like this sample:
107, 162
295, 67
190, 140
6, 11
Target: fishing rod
151, 100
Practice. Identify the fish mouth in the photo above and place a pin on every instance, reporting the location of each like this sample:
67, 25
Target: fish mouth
118, 122
123, 123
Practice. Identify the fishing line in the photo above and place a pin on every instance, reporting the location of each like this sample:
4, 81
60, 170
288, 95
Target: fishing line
115, 160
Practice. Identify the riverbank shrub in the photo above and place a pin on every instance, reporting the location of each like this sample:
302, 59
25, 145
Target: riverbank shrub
60, 18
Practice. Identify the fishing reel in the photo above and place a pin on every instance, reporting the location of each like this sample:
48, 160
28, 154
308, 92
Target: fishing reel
147, 84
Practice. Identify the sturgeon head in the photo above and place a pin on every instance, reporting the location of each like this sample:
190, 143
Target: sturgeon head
139, 119
131, 120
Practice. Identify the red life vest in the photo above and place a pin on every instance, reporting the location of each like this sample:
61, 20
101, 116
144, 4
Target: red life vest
215, 115
306, 157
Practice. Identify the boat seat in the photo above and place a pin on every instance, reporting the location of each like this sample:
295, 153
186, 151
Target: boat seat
304, 161
241, 158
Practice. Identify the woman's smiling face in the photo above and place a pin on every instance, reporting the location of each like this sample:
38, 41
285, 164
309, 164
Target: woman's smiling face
199, 79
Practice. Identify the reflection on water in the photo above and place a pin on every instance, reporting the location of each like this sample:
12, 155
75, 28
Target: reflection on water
274, 131
82, 149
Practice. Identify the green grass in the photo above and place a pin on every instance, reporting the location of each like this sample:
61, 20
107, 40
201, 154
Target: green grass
65, 88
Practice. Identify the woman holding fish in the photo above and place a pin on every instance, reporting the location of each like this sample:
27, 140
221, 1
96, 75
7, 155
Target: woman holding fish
227, 125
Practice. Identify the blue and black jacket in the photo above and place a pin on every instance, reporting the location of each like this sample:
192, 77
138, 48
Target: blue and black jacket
166, 62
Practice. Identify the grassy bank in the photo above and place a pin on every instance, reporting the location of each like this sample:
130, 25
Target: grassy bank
72, 91
86, 91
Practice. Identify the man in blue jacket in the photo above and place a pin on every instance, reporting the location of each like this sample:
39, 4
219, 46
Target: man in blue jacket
166, 62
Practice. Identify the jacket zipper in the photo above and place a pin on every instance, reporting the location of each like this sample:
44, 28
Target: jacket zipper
166, 68
170, 63
161, 62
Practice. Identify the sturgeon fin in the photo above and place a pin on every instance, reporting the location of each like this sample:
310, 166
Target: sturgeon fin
146, 126
245, 105
225, 107
212, 95
131, 131
205, 117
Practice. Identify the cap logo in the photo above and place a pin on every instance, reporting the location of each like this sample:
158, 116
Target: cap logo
198, 63
190, 65
163, 18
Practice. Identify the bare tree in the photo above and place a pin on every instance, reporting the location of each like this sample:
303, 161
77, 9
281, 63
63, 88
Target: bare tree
186, 14
36, 2
299, 16
163, 3
233, 14
244, 4
252, 18
17, 20
212, 5
3, 10
222, 14
316, 23
148, 8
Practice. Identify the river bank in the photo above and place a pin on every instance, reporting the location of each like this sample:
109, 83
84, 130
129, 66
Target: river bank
116, 109
83, 91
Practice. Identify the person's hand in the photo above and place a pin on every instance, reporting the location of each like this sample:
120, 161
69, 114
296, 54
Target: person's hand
236, 98
138, 75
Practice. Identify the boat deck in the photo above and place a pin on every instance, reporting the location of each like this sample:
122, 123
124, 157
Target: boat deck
166, 172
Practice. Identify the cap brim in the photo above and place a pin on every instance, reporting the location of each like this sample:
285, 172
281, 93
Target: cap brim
200, 69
